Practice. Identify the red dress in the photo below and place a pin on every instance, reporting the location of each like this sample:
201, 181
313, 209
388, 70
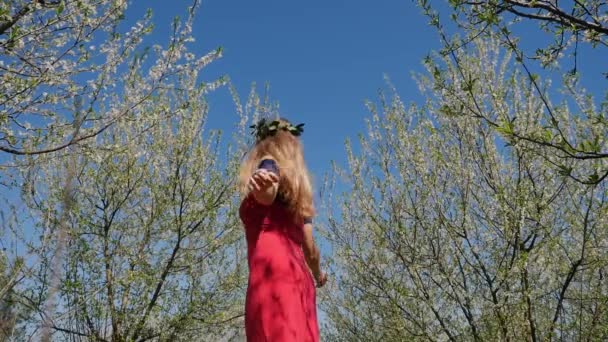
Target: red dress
281, 299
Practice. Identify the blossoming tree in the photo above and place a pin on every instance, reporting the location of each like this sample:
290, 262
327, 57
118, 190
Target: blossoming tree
119, 222
450, 229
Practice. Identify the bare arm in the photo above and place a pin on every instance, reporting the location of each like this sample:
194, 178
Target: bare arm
313, 256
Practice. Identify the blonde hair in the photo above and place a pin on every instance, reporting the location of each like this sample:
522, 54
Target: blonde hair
294, 186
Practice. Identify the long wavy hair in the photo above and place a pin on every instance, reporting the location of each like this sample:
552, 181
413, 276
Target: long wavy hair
295, 187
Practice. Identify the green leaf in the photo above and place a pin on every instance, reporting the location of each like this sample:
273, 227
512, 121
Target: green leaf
594, 178
534, 77
585, 145
59, 9
547, 135
565, 170
506, 128
14, 32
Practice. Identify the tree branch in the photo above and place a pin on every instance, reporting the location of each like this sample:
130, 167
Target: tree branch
559, 15
5, 25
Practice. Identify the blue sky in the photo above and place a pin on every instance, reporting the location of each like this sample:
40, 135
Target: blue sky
321, 59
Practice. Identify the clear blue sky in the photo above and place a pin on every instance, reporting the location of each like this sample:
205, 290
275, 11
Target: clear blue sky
322, 59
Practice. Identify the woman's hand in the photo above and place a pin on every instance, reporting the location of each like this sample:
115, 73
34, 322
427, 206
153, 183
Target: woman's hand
264, 185
321, 279
261, 180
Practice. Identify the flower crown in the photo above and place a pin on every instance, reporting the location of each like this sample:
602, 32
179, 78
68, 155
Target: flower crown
264, 128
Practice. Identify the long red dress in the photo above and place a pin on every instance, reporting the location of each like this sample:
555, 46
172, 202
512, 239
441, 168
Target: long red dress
281, 299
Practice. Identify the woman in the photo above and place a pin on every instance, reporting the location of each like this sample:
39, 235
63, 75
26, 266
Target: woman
277, 214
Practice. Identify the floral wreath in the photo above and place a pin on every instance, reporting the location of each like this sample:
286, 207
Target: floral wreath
266, 128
